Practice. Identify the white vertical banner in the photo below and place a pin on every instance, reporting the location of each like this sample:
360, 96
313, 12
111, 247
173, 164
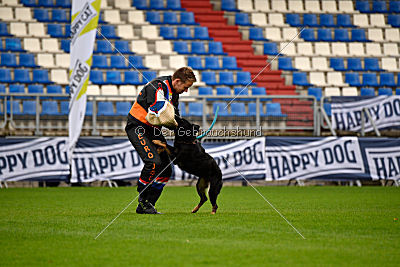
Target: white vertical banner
84, 20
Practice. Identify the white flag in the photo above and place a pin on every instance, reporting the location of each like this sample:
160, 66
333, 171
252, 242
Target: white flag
84, 19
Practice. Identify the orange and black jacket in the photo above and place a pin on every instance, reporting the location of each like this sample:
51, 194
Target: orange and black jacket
153, 96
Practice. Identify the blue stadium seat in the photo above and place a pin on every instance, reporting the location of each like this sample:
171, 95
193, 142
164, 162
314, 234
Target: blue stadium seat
137, 62
22, 76
17, 89
184, 33
27, 60
54, 89
96, 77
40, 76
224, 91
89, 108
337, 64
253, 109
122, 108
344, 20
244, 78
270, 49
229, 5
310, 20
256, 34
398, 79
394, 6
223, 111
153, 17
353, 79
397, 91
315, 91
55, 30
358, 35
41, 14
300, 78
367, 91
109, 31
59, 15
308, 35
65, 45
16, 108
195, 109
370, 79
230, 63
379, 7
354, 64
122, 47
324, 35
148, 75
205, 90
328, 109
226, 78
212, 63
9, 60
215, 48
274, 109
46, 3
113, 77
29, 107
195, 63
35, 89
157, 4
326, 20
63, 3
242, 19
104, 46
394, 20
371, 64
118, 62
188, 18
385, 91
181, 47
198, 48
201, 33
342, 35
182, 109
242, 91
174, 5
105, 108
140, 4
29, 3
285, 63
363, 6
99, 62
5, 76
293, 20
13, 44
170, 18
50, 108
256, 91
4, 29
67, 91
387, 79
208, 77
2, 88
167, 32
238, 109
132, 77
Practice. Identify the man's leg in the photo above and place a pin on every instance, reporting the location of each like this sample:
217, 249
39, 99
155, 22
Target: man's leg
158, 185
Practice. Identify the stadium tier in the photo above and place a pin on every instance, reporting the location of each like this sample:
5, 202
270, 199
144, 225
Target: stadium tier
240, 49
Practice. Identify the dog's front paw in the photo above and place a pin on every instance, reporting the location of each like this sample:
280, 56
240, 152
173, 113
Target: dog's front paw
214, 209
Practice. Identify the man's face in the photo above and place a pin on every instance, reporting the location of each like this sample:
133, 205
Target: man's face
181, 87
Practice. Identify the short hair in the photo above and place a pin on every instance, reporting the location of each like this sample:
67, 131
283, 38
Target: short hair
184, 74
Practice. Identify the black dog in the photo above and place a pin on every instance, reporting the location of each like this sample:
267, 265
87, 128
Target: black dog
192, 158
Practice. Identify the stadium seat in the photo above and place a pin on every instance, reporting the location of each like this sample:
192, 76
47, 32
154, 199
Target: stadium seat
148, 76
96, 77
242, 91
390, 49
332, 91
63, 3
198, 48
242, 19
245, 5
46, 3
353, 79
244, 78
293, 20
354, 64
329, 6
256, 91
65, 45
17, 89
109, 31
205, 90
389, 64
370, 79
209, 77
308, 35
315, 91
60, 15
9, 60
394, 20
223, 110
55, 30
320, 63
153, 17
342, 35
337, 64
300, 78
54, 89
140, 4
226, 78
182, 109
349, 91
296, 6
224, 91
310, 20
195, 109
363, 6
181, 47
4, 29
344, 20
50, 108
104, 46
118, 62
387, 79
285, 63
230, 63
379, 7
356, 49
394, 6
238, 109
132, 77
201, 33
5, 76
99, 62
13, 44
188, 18
253, 109
15, 106
113, 77
195, 63
371, 64
122, 108
27, 60
105, 109
170, 18
212, 63
270, 49
229, 5
174, 5
385, 91
326, 20
215, 48
35, 89
306, 49
324, 35
358, 35
274, 109
397, 91
367, 91
318, 78
184, 33
122, 47
41, 14
136, 62
22, 76
256, 34
29, 107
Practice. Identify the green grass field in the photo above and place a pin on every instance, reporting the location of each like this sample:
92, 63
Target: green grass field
342, 225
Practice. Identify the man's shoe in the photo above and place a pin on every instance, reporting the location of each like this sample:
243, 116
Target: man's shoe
146, 207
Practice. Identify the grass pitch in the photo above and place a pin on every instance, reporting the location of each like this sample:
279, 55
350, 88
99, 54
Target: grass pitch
342, 225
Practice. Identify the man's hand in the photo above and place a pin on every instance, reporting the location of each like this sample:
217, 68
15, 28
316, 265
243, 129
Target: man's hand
161, 146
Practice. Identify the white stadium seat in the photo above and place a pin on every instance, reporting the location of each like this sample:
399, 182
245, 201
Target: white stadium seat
50, 45
261, 5
296, 6
153, 62
322, 49
140, 47
356, 49
332, 91
245, 5
302, 63
93, 89
126, 32
290, 33
18, 29
329, 6
177, 61
320, 64
127, 90
59, 76
375, 35
123, 4
23, 14
136, 17
349, 91
390, 64
336, 79
150, 32
37, 30
392, 35
112, 16
45, 60
6, 14
391, 49
278, 5
273, 34
276, 19
62, 61
164, 47
339, 49
288, 48
373, 49
377, 20
312, 6
305, 49
318, 78
346, 6
32, 44
361, 20
259, 19
110, 90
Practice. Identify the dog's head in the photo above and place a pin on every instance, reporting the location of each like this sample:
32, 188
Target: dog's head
186, 132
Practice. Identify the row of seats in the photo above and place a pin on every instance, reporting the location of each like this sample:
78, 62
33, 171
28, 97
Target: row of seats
31, 44
351, 78
47, 3
312, 6
357, 35
338, 64
318, 92
24, 76
28, 60
333, 49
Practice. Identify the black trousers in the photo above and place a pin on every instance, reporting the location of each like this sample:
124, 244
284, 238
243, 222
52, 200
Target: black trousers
155, 165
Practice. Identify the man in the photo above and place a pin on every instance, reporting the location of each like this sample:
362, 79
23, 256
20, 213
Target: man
154, 108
